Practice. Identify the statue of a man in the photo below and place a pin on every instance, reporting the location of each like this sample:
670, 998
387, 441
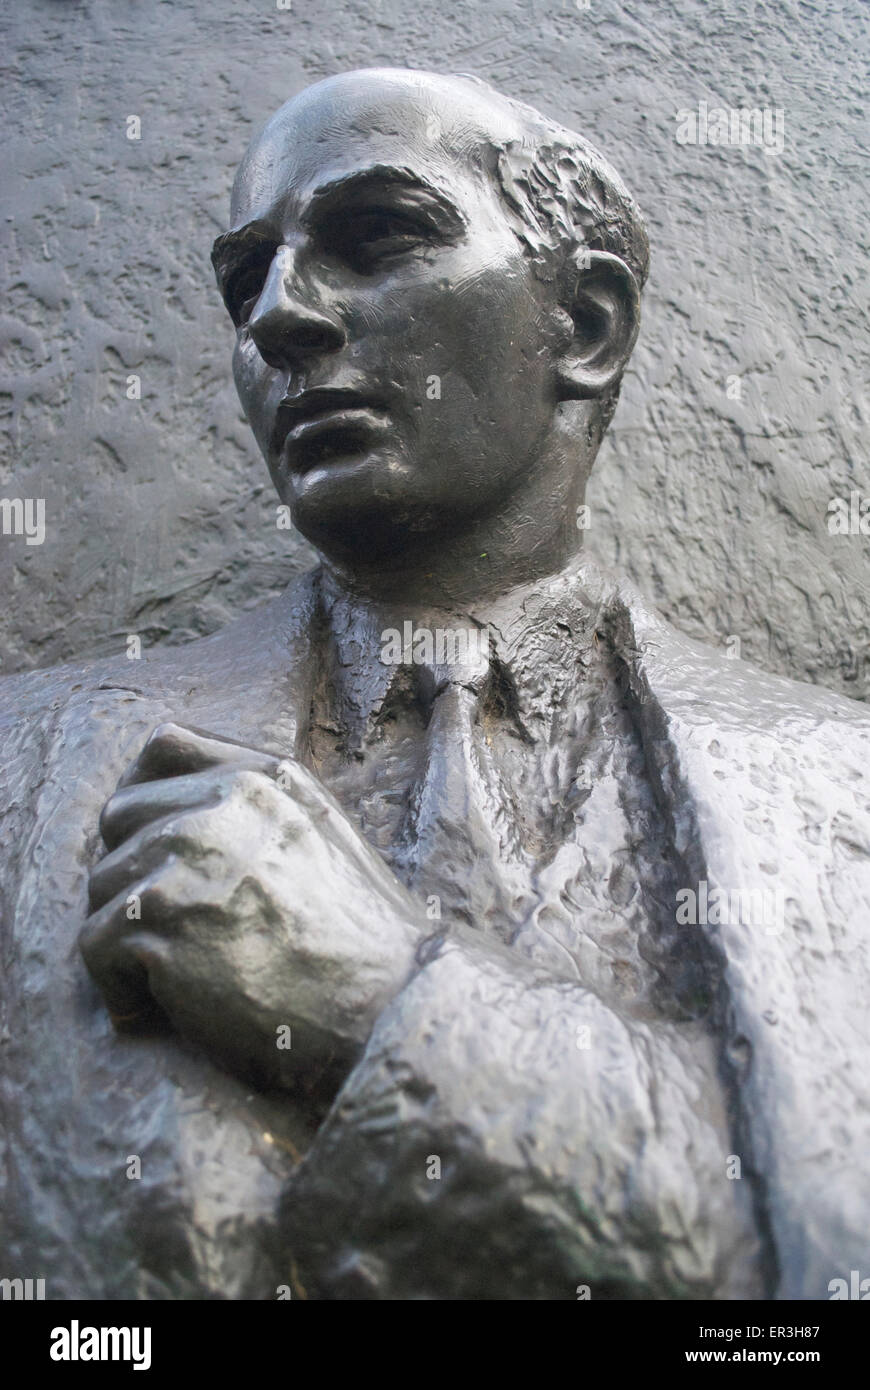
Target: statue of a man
457, 929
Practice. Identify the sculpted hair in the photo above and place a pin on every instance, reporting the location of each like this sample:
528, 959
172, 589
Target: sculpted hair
562, 195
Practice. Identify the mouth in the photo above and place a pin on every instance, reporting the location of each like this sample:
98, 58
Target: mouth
325, 423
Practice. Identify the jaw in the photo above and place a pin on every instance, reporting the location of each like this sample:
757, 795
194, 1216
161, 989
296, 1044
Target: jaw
446, 557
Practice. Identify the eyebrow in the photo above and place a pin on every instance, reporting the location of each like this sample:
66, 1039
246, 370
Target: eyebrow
383, 176
233, 247
231, 250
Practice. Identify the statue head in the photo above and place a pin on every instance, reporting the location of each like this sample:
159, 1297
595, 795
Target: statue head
435, 291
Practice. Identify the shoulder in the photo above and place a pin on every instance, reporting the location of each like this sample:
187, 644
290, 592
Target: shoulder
771, 772
270, 637
83, 723
701, 684
774, 769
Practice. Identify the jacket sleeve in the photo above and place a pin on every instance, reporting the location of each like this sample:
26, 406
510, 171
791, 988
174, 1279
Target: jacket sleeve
505, 1135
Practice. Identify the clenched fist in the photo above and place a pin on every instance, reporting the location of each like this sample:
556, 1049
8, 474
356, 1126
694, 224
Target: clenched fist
237, 901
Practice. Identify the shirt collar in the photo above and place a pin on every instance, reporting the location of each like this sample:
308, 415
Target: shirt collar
526, 652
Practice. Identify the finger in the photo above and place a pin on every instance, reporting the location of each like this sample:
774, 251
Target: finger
116, 875
120, 956
179, 836
204, 818
173, 750
139, 804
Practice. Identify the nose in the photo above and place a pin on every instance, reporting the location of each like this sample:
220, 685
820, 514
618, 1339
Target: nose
286, 325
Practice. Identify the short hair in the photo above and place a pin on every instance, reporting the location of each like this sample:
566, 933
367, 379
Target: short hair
562, 194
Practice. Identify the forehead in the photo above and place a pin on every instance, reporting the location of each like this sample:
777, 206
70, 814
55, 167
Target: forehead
431, 127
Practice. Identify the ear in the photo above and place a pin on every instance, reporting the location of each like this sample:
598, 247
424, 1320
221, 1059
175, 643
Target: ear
606, 315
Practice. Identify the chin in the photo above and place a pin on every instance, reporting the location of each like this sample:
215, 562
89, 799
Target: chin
362, 500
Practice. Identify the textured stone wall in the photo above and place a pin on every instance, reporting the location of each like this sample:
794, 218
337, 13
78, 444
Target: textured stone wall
713, 494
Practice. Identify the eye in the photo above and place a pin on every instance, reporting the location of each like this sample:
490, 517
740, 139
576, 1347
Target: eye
371, 236
246, 286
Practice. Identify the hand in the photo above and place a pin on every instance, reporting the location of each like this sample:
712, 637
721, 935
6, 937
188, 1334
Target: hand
238, 898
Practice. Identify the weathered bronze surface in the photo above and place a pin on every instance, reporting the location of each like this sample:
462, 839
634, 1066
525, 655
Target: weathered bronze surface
457, 928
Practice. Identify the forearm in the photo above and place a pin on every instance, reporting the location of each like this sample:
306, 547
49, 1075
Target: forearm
513, 1127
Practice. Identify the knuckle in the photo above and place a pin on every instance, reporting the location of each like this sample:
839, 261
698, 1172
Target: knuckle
147, 949
111, 811
162, 882
248, 783
164, 733
89, 940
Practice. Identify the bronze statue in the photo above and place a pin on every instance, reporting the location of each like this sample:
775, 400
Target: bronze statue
457, 928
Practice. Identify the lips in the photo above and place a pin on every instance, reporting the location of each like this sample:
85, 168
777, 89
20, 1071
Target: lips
324, 420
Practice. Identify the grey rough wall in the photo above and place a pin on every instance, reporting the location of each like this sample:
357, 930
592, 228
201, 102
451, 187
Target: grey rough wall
160, 518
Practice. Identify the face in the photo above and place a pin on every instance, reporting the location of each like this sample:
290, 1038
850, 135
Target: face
392, 351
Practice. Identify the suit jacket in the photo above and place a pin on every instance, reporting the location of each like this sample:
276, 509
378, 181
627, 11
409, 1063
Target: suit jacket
480, 1147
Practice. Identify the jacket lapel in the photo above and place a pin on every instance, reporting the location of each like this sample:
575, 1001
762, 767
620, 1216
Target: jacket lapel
763, 780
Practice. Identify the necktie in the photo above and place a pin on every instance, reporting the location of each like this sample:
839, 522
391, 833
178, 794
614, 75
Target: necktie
462, 850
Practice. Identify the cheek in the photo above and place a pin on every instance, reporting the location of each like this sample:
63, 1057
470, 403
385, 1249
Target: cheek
246, 372
253, 378
482, 327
